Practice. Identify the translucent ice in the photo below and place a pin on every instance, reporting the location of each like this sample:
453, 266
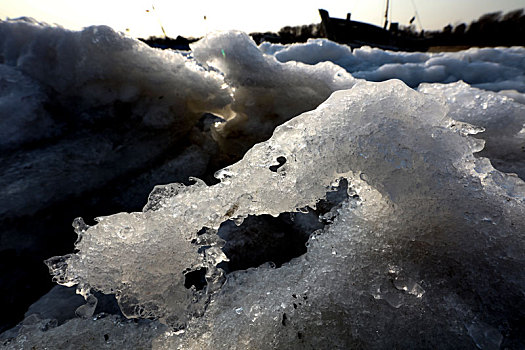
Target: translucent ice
502, 118
411, 230
410, 252
266, 92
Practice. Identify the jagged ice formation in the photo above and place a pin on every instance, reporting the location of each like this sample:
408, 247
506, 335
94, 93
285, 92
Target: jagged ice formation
430, 241
92, 120
414, 239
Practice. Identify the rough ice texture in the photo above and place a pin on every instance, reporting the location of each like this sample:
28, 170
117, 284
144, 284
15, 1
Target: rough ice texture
501, 117
266, 92
97, 81
90, 121
487, 68
101, 106
22, 110
111, 98
97, 67
428, 244
110, 332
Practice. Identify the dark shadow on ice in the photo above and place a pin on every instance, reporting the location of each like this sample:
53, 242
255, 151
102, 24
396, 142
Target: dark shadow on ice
261, 239
196, 278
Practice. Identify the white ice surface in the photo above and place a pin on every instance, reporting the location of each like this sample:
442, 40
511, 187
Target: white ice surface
487, 68
430, 222
428, 245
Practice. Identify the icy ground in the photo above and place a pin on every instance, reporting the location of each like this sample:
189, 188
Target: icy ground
488, 68
347, 213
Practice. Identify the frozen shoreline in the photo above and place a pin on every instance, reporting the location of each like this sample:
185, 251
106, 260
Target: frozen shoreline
93, 111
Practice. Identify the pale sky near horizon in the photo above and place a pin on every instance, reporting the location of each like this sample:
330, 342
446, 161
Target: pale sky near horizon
187, 18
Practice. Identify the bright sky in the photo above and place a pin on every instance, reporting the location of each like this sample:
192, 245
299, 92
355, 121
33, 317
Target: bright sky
187, 17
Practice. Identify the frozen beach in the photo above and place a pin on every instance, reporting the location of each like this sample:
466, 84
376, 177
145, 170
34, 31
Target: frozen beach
303, 196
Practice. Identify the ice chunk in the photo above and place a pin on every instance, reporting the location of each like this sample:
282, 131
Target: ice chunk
421, 207
266, 92
97, 67
22, 115
134, 293
487, 68
501, 118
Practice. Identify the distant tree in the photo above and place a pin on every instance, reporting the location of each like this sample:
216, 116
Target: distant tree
460, 29
490, 17
513, 16
302, 33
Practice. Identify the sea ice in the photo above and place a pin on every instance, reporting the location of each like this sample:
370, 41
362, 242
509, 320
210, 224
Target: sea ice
502, 118
23, 117
95, 114
414, 239
429, 241
494, 69
266, 93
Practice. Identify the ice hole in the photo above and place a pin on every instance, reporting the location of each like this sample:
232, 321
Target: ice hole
196, 278
261, 239
207, 120
281, 160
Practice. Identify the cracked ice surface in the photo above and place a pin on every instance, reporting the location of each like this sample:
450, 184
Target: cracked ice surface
429, 245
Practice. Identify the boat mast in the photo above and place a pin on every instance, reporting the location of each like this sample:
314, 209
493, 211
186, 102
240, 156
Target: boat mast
158, 19
417, 14
386, 14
